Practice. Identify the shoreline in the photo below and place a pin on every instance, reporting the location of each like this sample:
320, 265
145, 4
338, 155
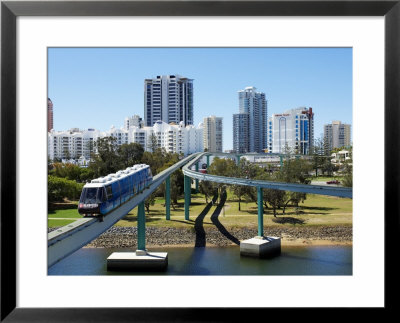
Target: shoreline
126, 237
285, 243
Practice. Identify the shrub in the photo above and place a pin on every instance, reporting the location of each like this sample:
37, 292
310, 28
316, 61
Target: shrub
60, 188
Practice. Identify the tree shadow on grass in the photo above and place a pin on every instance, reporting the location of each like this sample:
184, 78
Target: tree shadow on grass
319, 208
196, 203
184, 221
288, 220
134, 218
220, 227
198, 225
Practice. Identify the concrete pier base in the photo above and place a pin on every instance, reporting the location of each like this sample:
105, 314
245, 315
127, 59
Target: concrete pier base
141, 260
261, 247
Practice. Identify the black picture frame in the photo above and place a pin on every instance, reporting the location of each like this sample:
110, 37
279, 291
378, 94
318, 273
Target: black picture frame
10, 10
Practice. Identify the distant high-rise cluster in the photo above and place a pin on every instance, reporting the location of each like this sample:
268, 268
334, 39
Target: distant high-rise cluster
293, 130
168, 124
250, 124
49, 115
212, 134
168, 98
336, 135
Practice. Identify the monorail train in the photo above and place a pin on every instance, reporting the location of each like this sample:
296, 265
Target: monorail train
104, 194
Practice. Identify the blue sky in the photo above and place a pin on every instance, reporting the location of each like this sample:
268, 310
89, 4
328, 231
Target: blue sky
99, 87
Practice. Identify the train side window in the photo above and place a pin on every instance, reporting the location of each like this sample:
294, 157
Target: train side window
104, 194
109, 192
101, 197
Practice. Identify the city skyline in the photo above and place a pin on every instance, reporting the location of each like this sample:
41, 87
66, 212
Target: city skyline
100, 87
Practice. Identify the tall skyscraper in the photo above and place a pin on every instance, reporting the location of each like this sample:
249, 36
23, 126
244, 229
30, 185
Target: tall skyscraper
293, 129
212, 134
49, 115
336, 135
253, 104
241, 133
168, 98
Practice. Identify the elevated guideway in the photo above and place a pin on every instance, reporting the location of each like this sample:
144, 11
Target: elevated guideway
259, 246
302, 188
68, 239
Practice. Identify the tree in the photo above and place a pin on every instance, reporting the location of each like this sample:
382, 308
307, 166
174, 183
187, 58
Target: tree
68, 171
86, 175
130, 154
293, 197
239, 191
292, 171
317, 153
328, 167
244, 170
275, 198
153, 142
106, 160
177, 186
222, 167
151, 200
348, 174
208, 189
60, 188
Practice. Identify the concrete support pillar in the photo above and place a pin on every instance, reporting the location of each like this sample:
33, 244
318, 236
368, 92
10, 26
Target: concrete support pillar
141, 227
187, 196
168, 198
260, 211
237, 159
281, 160
208, 161
260, 246
197, 181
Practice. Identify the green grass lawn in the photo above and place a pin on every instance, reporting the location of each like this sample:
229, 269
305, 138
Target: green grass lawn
316, 210
59, 222
326, 178
58, 218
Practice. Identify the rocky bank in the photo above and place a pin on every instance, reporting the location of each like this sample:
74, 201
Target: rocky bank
118, 237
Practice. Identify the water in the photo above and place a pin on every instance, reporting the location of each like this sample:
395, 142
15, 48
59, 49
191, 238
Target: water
302, 260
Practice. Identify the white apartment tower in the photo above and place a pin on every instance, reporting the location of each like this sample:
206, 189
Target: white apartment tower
212, 134
134, 121
75, 143
168, 98
336, 135
72, 144
293, 129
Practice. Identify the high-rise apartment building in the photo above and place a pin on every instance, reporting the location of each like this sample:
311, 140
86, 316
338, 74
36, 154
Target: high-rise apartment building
336, 135
134, 121
241, 133
212, 134
49, 115
168, 98
293, 129
253, 104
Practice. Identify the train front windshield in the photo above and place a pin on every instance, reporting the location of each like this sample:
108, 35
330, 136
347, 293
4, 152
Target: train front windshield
92, 195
